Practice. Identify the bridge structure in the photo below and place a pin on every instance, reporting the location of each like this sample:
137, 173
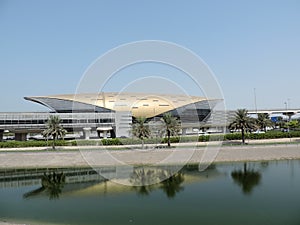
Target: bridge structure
220, 119
286, 112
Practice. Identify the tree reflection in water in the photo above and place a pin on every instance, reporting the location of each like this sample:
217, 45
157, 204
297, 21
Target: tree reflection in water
145, 180
246, 178
172, 185
52, 185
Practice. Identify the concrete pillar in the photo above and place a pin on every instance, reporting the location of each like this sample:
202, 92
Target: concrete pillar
104, 134
87, 133
112, 133
1, 135
20, 136
289, 115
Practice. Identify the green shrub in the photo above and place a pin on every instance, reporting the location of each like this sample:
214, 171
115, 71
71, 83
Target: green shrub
24, 144
86, 142
134, 141
114, 141
251, 136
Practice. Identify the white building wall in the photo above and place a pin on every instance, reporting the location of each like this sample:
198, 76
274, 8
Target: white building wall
123, 121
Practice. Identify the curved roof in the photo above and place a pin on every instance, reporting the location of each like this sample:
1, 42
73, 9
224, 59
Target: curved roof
140, 104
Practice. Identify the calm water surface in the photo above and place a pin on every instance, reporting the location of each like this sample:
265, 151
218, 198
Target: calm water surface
232, 193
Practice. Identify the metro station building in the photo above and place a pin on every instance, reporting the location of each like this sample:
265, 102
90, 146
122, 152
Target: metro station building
108, 113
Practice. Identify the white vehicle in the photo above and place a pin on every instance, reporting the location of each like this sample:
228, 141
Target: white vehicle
259, 132
202, 133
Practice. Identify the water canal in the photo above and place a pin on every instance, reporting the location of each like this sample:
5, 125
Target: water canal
226, 193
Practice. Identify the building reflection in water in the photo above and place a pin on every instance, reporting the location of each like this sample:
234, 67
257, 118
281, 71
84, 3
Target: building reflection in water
59, 182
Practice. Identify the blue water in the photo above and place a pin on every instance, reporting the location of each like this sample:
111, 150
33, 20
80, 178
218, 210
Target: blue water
266, 193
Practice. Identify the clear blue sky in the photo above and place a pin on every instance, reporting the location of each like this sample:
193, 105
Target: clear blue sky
45, 46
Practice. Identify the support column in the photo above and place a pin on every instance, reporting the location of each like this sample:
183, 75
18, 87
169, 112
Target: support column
104, 134
112, 133
1, 135
87, 133
289, 115
184, 131
20, 136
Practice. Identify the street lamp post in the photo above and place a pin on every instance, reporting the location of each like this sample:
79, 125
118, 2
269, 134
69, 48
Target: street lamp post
255, 102
285, 103
286, 112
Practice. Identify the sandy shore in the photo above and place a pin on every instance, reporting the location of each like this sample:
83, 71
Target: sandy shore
9, 223
6, 223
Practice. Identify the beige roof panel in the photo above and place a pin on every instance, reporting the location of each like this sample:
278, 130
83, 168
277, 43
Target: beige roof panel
140, 104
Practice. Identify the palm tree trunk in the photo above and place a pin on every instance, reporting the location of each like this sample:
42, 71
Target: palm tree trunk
169, 135
245, 168
243, 136
142, 143
53, 142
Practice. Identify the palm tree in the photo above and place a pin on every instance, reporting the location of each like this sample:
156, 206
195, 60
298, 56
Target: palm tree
52, 184
242, 122
172, 185
279, 123
263, 121
140, 129
247, 179
171, 126
293, 124
143, 179
54, 129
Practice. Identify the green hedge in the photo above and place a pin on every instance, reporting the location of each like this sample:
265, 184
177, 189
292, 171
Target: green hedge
275, 135
133, 141
114, 141
251, 136
23, 144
